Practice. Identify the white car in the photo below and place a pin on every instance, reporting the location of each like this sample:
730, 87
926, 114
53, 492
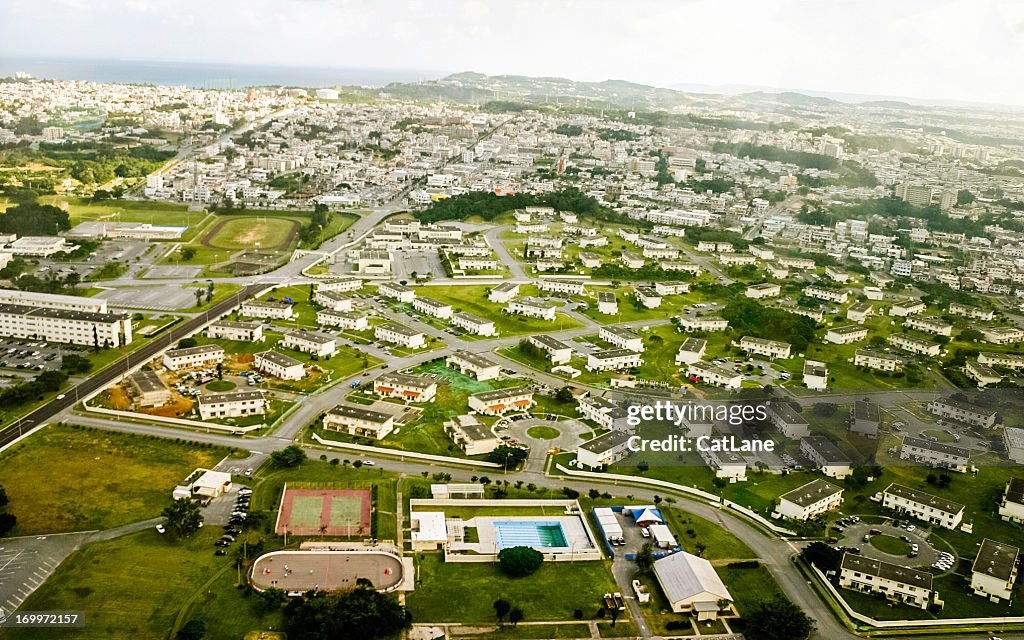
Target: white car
368, 463
161, 529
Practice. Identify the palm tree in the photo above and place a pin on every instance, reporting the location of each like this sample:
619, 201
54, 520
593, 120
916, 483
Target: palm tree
323, 530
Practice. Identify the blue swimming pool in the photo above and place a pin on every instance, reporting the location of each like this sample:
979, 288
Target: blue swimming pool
521, 533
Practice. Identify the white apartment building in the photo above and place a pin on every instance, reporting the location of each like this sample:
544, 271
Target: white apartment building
972, 312
929, 324
727, 465
907, 308
605, 412
826, 456
1013, 439
603, 450
240, 331
962, 412
648, 297
341, 285
915, 345
396, 291
797, 263
65, 325
904, 585
613, 360
671, 287
763, 290
500, 401
279, 365
203, 356
1003, 335
846, 334
266, 309
472, 436
432, 307
503, 292
703, 323
923, 506
791, 424
474, 324
995, 570
692, 350
1011, 507
557, 351
878, 360
621, 337
860, 312
343, 319
607, 303
571, 287
1008, 360
53, 301
236, 404
474, 364
762, 347
478, 263
314, 344
394, 333
809, 501
532, 308
935, 454
333, 300
983, 374
359, 421
816, 375
838, 296
405, 387
714, 375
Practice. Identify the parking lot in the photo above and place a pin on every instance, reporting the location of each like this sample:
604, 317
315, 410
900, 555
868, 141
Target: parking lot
33, 356
164, 298
25, 563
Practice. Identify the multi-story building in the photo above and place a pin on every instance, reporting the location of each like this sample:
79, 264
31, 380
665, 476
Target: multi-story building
603, 450
1008, 360
53, 301
472, 436
929, 324
964, 412
1003, 335
860, 312
995, 570
333, 300
343, 285
207, 355
763, 290
983, 374
613, 359
692, 350
839, 296
532, 308
923, 506
554, 285
703, 323
315, 344
236, 330
907, 308
474, 324
762, 347
500, 401
279, 365
714, 375
557, 351
478, 263
865, 418
344, 319
810, 500
877, 360
648, 297
607, 303
149, 390
816, 375
1013, 439
605, 412
235, 404
476, 365
784, 418
266, 309
432, 307
621, 337
846, 334
503, 292
1011, 507
65, 326
935, 454
359, 421
904, 585
405, 387
826, 456
727, 465
396, 291
671, 287
972, 312
394, 333
915, 345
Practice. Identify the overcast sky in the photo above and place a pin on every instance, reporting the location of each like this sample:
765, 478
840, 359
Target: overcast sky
968, 50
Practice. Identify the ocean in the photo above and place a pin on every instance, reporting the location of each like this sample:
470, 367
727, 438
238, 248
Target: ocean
207, 76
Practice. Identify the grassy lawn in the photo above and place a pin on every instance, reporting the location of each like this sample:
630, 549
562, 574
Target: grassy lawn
156, 213
543, 433
465, 592
748, 586
473, 299
890, 544
252, 233
129, 478
220, 386
692, 530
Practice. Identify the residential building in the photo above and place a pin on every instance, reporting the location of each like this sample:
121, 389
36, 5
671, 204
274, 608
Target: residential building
557, 351
475, 365
607, 303
865, 418
878, 360
65, 326
207, 355
53, 301
983, 374
727, 465
826, 456
500, 401
266, 309
1011, 507
1002, 335
816, 375
860, 312
915, 345
810, 500
671, 287
474, 324
236, 404
603, 450
714, 375
613, 359
148, 389
503, 292
532, 308
907, 308
648, 297
784, 418
702, 323
1013, 439
846, 334
343, 285
691, 585
995, 570
903, 585
1008, 360
397, 291
344, 319
315, 344
923, 506
692, 350
394, 333
621, 337
935, 454
972, 312
962, 412
762, 347
838, 296
333, 300
359, 421
279, 365
432, 307
929, 324
240, 331
605, 412
570, 287
763, 290
472, 436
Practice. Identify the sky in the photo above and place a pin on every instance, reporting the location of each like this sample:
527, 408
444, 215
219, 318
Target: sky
963, 50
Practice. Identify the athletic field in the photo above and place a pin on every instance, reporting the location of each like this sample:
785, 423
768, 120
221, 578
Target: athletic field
332, 512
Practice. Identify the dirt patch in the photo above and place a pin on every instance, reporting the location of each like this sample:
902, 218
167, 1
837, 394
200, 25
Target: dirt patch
116, 398
177, 408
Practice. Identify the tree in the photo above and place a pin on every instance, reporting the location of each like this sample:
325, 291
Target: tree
290, 456
822, 556
7, 519
187, 343
644, 558
508, 457
501, 608
183, 517
963, 196
564, 395
360, 614
519, 561
193, 630
220, 370
188, 253
74, 363
199, 297
271, 598
515, 616
779, 619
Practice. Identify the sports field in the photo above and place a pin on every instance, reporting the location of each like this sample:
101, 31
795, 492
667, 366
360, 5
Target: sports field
328, 570
259, 232
332, 512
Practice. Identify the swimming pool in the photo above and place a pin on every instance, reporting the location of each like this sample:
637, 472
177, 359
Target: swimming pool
529, 534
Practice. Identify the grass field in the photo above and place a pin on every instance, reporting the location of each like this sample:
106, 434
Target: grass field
129, 478
890, 544
718, 543
256, 233
465, 592
156, 213
543, 433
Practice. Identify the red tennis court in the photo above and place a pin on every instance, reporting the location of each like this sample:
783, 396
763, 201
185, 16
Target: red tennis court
332, 512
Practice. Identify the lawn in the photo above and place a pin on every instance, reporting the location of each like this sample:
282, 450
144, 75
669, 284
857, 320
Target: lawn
465, 592
156, 213
473, 299
253, 233
718, 542
129, 478
543, 433
890, 544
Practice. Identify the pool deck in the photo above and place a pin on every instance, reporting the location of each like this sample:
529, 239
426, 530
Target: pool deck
575, 533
